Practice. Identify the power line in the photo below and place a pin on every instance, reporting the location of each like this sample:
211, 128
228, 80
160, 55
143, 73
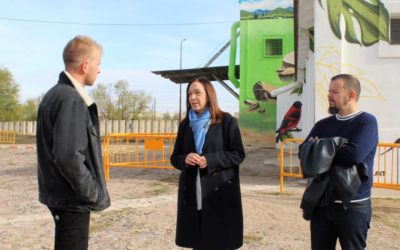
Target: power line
112, 24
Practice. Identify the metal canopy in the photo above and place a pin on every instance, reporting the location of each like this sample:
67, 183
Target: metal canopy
185, 75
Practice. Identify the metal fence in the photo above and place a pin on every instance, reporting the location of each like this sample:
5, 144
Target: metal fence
7, 137
386, 171
144, 150
289, 162
386, 164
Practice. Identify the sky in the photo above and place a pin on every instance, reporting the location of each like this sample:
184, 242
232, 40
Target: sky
137, 37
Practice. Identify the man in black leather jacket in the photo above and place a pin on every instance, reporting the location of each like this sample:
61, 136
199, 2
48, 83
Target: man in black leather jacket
70, 167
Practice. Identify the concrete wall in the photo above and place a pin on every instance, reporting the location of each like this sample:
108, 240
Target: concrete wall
106, 126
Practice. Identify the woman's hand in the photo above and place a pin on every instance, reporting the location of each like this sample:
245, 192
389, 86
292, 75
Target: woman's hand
192, 159
202, 162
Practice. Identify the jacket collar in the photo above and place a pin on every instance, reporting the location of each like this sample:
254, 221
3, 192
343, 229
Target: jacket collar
81, 90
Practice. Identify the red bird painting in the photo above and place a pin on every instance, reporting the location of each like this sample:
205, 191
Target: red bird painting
289, 122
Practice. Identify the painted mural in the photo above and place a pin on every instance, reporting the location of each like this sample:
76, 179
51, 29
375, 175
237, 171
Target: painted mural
371, 16
289, 122
269, 9
266, 63
353, 44
358, 43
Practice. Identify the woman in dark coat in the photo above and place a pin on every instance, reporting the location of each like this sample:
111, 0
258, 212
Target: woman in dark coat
208, 151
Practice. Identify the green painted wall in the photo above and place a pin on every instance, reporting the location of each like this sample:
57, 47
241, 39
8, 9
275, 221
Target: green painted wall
255, 67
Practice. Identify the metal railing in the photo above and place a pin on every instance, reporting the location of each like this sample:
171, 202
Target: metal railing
144, 150
386, 171
293, 168
7, 137
386, 167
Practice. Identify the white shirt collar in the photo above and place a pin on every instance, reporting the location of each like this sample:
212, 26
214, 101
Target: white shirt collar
81, 90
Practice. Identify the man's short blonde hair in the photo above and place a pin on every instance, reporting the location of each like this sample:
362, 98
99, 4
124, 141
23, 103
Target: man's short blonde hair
78, 49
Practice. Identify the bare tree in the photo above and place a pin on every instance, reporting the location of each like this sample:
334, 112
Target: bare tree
102, 95
125, 99
118, 101
9, 91
30, 108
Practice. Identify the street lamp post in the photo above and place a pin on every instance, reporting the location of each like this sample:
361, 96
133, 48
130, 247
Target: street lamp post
180, 84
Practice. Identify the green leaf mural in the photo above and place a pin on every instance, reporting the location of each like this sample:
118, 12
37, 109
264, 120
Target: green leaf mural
334, 11
372, 16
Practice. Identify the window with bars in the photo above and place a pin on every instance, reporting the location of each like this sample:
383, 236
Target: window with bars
273, 47
395, 31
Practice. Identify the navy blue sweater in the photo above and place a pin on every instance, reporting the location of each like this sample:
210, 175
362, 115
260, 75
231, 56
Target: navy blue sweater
361, 129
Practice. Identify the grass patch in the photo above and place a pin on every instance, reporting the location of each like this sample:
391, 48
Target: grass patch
384, 210
145, 171
100, 226
107, 220
25, 139
157, 191
170, 179
158, 188
248, 239
274, 193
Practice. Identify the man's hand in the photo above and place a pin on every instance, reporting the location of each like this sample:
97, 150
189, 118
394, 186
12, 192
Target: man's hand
313, 138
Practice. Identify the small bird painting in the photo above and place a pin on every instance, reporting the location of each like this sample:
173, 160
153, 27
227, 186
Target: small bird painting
289, 122
262, 95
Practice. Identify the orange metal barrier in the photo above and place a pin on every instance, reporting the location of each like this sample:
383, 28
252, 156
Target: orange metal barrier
293, 168
144, 150
386, 167
386, 171
7, 137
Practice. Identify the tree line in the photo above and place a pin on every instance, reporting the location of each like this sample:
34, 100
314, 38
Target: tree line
115, 101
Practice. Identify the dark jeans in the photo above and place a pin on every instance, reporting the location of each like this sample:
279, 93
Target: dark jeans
71, 229
349, 225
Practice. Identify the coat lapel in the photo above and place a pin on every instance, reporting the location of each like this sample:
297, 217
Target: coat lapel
209, 136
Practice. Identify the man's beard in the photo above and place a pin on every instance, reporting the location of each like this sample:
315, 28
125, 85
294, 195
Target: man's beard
333, 110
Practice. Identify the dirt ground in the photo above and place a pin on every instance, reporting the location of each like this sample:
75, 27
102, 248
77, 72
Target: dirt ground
143, 211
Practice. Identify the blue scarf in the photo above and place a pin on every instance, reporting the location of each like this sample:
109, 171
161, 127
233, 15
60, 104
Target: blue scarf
199, 123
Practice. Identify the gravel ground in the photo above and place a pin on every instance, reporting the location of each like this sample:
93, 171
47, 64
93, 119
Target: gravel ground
143, 211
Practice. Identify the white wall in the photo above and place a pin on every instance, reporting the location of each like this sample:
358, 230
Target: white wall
378, 73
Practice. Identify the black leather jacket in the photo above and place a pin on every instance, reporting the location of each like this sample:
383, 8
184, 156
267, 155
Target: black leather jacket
70, 166
327, 182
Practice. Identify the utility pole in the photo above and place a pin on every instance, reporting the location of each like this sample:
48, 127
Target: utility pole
180, 84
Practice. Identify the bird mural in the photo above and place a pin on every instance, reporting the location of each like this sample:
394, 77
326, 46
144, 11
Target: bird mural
287, 71
262, 90
289, 122
262, 94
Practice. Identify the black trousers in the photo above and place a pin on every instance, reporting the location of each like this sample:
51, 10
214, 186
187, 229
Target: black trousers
349, 224
71, 229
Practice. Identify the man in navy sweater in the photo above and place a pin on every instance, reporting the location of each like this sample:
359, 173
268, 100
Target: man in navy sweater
349, 224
